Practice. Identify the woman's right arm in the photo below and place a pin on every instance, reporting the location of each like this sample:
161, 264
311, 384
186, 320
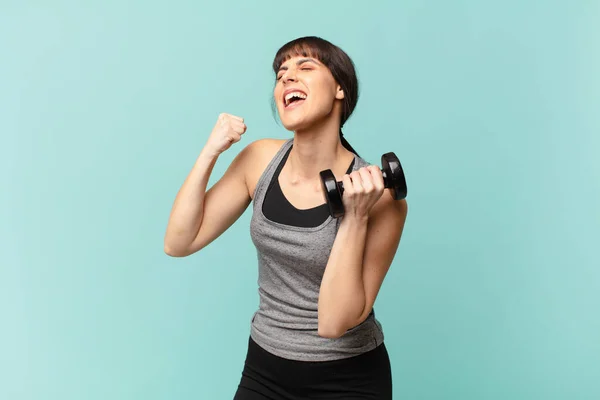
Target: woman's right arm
198, 216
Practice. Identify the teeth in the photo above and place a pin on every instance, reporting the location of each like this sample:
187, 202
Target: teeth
289, 96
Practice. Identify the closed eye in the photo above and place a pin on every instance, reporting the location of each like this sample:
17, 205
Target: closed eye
301, 68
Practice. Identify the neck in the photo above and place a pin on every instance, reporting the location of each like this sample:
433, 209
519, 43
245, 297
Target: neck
315, 149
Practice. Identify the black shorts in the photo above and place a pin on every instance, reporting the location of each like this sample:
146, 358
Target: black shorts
267, 376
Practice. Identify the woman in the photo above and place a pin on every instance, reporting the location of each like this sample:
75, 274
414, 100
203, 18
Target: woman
315, 335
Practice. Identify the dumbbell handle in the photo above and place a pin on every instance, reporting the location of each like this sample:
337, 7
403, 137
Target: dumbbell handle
386, 182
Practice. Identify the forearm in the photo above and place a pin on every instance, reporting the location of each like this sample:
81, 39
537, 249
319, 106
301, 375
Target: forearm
342, 292
187, 211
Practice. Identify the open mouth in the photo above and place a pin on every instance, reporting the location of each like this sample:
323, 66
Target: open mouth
293, 99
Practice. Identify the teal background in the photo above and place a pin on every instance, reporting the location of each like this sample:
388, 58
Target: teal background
492, 107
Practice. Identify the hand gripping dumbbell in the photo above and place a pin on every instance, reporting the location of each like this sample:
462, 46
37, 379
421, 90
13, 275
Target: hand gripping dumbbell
393, 178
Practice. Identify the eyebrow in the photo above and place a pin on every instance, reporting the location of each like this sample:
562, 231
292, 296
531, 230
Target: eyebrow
300, 61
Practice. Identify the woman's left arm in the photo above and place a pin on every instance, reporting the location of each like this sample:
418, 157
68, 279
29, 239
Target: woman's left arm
363, 250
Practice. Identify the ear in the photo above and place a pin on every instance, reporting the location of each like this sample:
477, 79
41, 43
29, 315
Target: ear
340, 93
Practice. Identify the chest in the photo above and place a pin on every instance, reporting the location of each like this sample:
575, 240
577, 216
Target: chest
303, 250
302, 196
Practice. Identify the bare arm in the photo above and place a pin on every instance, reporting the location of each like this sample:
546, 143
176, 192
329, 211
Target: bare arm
198, 216
362, 253
360, 258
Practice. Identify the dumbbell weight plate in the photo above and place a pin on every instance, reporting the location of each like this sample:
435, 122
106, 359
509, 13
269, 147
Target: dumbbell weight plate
396, 181
333, 193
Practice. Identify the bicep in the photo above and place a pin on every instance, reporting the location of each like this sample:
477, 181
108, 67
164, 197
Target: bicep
224, 202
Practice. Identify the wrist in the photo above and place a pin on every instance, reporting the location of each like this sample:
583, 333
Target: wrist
209, 154
356, 219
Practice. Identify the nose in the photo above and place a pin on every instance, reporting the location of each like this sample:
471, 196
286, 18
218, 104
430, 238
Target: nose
289, 76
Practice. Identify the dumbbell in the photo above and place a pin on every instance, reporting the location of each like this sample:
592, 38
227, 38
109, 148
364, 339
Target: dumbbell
393, 178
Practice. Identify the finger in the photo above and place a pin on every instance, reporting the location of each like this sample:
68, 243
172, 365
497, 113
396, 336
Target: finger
239, 128
230, 140
367, 180
357, 182
348, 188
235, 117
234, 137
236, 122
377, 175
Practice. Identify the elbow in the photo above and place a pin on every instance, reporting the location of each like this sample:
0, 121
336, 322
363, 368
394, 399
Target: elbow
335, 325
331, 330
334, 329
174, 251
331, 335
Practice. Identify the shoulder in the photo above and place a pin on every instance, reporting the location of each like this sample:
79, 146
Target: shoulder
257, 155
261, 151
262, 148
